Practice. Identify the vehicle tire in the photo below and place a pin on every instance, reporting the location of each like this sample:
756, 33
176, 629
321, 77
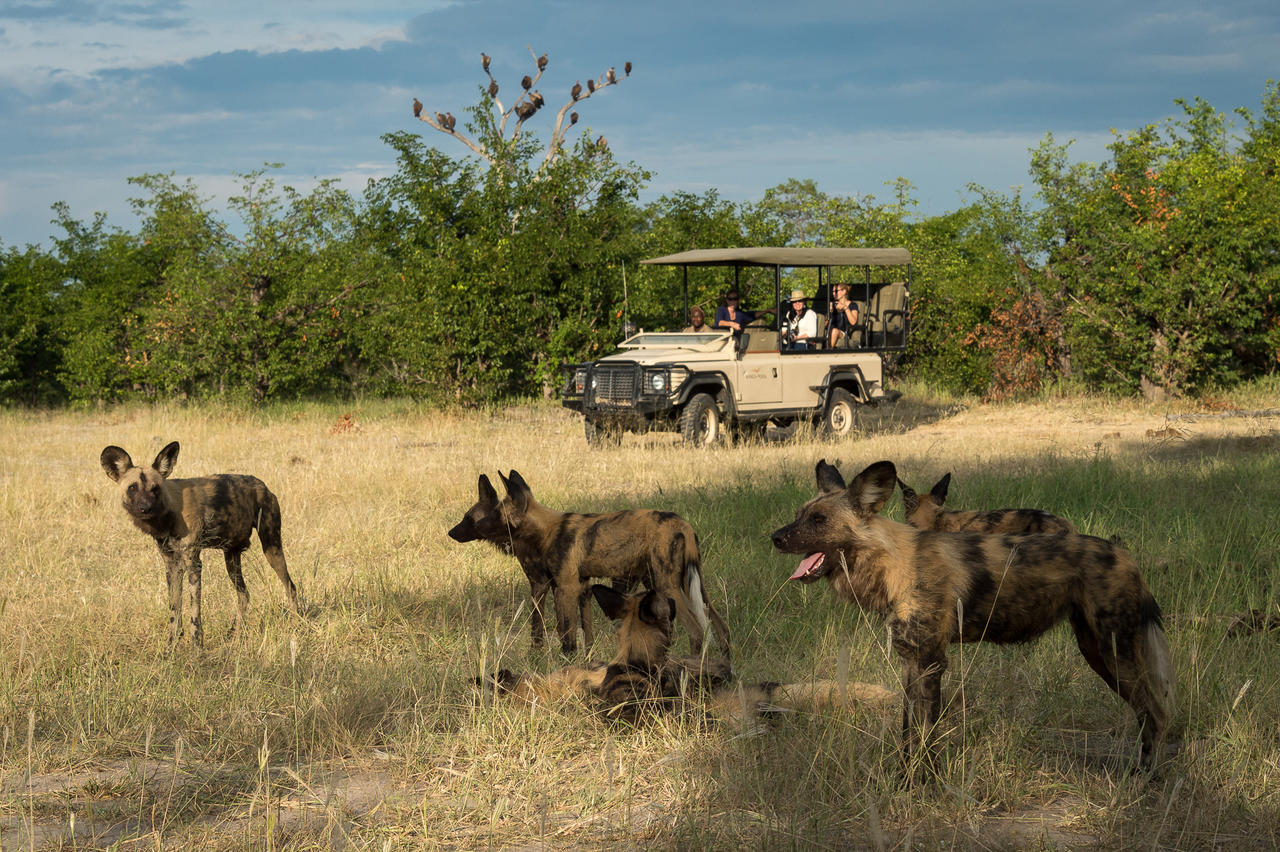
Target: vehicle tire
841, 416
700, 422
601, 434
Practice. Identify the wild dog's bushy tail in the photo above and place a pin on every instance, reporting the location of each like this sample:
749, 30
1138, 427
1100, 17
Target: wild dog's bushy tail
1159, 666
693, 579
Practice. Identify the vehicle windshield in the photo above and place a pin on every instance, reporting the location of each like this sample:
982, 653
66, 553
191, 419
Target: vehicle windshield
670, 338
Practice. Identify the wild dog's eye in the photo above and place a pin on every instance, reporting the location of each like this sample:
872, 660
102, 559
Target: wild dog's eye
133, 486
818, 519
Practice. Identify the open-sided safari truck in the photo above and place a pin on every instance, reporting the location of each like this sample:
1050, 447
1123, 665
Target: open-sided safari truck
703, 384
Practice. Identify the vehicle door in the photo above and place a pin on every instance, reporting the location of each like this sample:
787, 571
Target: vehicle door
758, 374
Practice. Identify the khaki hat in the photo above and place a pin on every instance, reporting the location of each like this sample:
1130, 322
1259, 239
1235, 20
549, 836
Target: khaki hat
798, 296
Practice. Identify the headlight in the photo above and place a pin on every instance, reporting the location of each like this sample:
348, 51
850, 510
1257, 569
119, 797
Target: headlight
657, 382
579, 380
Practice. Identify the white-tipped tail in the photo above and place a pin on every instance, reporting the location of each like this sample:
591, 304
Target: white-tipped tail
1160, 667
695, 598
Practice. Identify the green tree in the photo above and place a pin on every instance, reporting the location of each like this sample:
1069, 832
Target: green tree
1168, 254
29, 348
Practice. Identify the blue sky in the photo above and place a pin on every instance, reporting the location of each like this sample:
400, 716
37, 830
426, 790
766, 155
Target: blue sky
733, 96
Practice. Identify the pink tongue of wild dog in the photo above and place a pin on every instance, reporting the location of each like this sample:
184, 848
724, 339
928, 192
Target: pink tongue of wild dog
809, 567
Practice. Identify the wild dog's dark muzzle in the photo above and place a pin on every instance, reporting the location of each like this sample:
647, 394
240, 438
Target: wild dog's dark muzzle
465, 531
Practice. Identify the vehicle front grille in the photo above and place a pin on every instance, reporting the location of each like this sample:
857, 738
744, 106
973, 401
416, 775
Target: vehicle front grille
614, 384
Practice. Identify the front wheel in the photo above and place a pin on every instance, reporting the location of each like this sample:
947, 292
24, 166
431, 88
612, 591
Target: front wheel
601, 434
700, 422
841, 417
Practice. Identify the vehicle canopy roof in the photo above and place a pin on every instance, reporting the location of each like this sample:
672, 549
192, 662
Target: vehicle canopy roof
794, 256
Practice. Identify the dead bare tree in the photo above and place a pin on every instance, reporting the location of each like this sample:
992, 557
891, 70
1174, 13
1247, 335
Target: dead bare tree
525, 105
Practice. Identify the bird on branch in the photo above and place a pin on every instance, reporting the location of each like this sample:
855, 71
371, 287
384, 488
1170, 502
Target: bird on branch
527, 82
417, 108
449, 121
537, 100
493, 88
626, 68
576, 91
484, 61
526, 109
611, 77
591, 85
602, 143
440, 119
542, 62
573, 118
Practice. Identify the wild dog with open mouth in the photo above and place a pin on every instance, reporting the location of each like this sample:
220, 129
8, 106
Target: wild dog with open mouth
184, 516
925, 512
937, 588
561, 551
642, 679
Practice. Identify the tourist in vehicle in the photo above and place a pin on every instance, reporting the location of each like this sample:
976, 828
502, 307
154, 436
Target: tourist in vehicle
844, 319
731, 316
698, 320
800, 324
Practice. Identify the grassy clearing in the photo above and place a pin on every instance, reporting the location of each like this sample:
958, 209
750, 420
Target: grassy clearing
357, 723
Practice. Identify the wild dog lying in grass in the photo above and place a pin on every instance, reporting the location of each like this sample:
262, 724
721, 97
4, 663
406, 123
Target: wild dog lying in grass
926, 513
942, 587
563, 551
184, 516
642, 678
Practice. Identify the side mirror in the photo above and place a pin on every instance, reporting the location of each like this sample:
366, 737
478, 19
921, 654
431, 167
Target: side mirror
741, 342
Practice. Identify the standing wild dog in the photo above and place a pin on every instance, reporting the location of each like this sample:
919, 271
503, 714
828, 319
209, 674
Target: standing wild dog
184, 516
643, 679
942, 587
561, 551
926, 513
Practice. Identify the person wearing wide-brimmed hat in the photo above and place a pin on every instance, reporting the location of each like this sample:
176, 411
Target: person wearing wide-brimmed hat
800, 325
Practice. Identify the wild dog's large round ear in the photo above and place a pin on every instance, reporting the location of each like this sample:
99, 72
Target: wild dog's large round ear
872, 488
611, 601
487, 493
518, 490
909, 497
166, 459
115, 462
939, 490
829, 478
656, 608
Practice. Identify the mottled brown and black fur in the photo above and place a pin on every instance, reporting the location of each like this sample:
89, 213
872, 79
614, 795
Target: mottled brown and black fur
925, 512
184, 516
561, 551
937, 588
642, 679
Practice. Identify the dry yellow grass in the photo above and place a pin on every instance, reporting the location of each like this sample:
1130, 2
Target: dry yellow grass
357, 725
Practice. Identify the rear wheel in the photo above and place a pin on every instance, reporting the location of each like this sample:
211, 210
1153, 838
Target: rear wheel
700, 422
841, 416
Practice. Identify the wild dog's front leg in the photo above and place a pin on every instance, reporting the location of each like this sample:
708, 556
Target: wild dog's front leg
538, 587
923, 664
584, 615
173, 577
568, 591
194, 570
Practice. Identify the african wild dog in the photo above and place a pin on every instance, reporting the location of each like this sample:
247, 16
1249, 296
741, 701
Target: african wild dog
926, 513
561, 551
937, 588
185, 516
642, 679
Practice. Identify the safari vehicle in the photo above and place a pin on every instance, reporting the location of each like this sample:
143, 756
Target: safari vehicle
708, 385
